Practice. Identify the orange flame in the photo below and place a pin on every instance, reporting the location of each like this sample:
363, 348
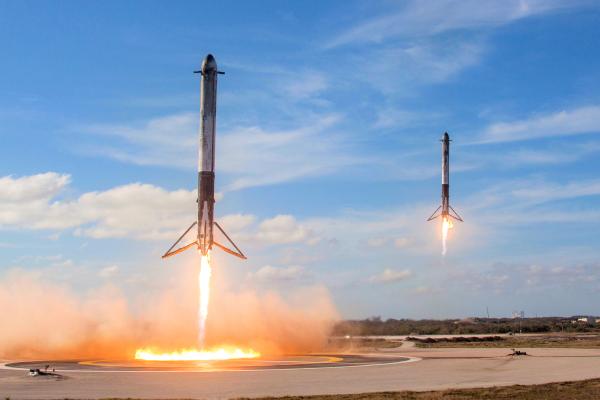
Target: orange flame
216, 354
446, 226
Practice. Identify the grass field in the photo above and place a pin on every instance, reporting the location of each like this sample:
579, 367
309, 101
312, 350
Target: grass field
584, 390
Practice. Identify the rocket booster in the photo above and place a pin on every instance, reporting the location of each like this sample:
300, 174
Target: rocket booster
206, 156
206, 169
445, 210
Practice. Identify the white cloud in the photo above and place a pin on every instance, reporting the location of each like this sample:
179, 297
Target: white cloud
420, 18
31, 188
404, 48
255, 157
395, 69
353, 230
171, 140
236, 222
390, 275
138, 211
563, 123
270, 274
31, 201
147, 212
531, 201
134, 211
108, 272
282, 229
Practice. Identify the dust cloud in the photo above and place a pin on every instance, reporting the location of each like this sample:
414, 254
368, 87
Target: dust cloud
44, 319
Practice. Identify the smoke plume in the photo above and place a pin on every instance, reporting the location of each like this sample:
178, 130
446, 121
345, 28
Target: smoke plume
43, 319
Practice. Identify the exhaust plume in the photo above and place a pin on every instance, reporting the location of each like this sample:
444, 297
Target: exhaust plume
446, 226
44, 319
203, 298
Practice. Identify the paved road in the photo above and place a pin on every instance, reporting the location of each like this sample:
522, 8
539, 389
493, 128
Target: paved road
438, 369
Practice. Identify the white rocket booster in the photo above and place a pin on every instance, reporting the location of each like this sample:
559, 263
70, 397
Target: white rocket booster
206, 168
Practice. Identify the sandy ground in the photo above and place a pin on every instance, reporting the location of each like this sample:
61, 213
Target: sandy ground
438, 369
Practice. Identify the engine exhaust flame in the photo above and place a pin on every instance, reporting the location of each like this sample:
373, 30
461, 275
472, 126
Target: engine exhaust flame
216, 354
213, 354
446, 226
204, 297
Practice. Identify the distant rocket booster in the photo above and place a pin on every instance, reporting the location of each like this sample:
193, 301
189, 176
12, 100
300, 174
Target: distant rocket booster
445, 210
206, 168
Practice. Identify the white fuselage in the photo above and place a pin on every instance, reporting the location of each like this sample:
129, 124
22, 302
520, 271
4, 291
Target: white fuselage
206, 156
208, 116
445, 174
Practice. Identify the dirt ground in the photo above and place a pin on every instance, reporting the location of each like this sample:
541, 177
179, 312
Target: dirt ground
581, 390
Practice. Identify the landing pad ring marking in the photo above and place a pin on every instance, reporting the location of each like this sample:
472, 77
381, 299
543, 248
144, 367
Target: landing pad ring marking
405, 360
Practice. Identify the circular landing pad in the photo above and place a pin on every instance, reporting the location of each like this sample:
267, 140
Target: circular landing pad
265, 363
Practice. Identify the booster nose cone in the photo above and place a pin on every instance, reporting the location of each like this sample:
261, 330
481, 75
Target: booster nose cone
209, 64
446, 136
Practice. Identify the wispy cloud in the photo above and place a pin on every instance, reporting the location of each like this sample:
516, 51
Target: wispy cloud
528, 192
250, 156
109, 272
396, 68
546, 191
305, 85
418, 18
255, 157
169, 140
533, 201
505, 277
542, 155
389, 275
562, 123
418, 43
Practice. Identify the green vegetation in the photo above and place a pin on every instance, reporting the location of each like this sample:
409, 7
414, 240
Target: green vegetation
470, 326
552, 340
581, 390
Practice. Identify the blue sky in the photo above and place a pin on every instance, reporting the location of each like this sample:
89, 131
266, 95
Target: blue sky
328, 155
